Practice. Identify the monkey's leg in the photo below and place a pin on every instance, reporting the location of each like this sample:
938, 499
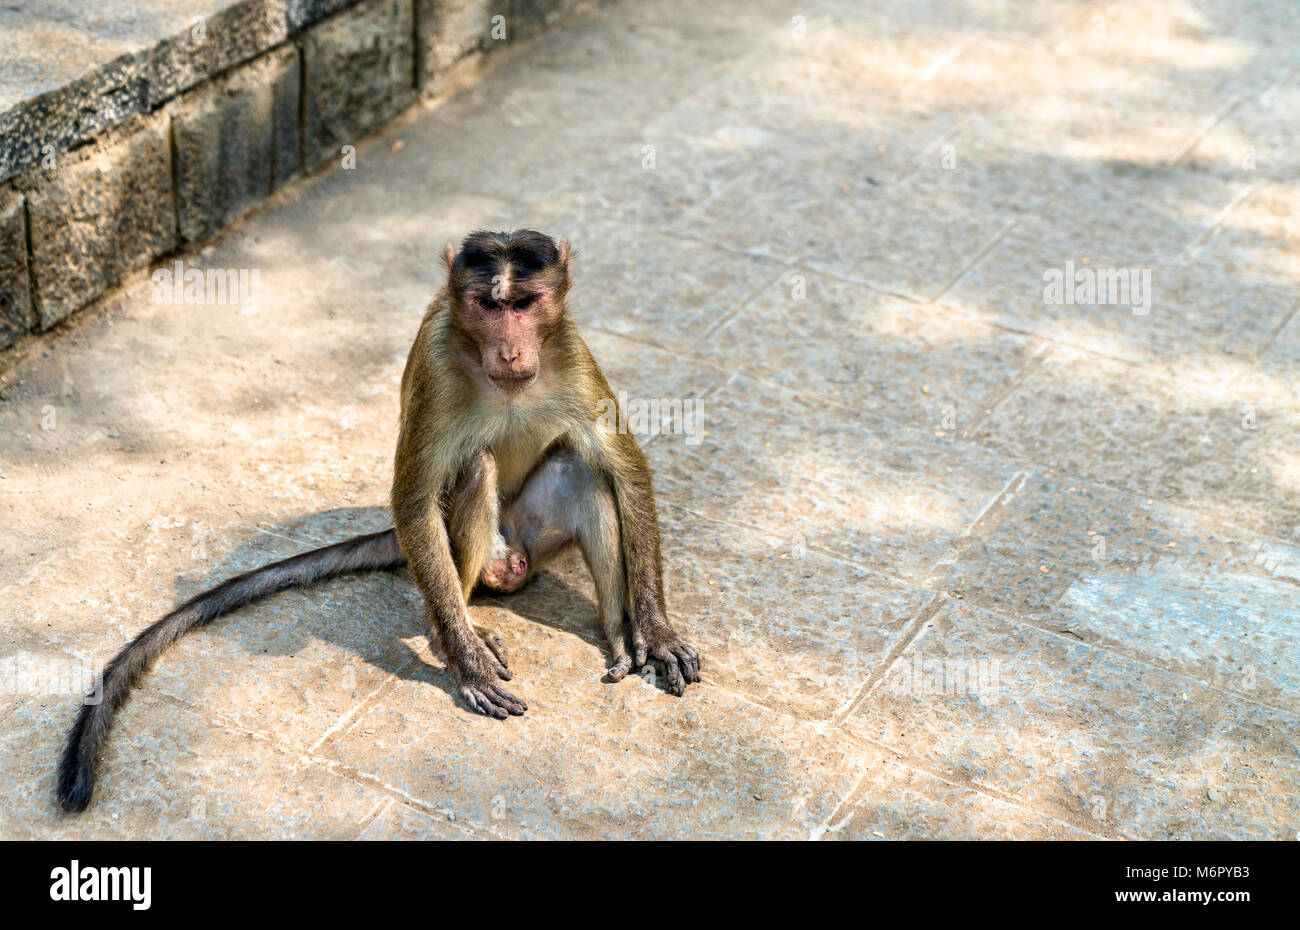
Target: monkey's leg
597, 531
474, 534
561, 503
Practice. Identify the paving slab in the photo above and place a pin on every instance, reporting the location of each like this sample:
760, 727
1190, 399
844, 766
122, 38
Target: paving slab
886, 224
267, 797
1209, 446
1256, 241
1176, 316
1109, 568
901, 803
1027, 715
713, 767
871, 354
762, 644
879, 494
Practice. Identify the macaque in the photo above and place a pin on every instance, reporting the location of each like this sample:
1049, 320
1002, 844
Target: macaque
501, 465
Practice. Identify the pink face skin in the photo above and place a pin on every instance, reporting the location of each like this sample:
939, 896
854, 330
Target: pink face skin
509, 320
509, 336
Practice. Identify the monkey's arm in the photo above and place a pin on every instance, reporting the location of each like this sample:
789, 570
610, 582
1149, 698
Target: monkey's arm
422, 534
625, 467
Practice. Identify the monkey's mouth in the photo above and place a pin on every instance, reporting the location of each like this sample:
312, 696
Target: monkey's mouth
512, 384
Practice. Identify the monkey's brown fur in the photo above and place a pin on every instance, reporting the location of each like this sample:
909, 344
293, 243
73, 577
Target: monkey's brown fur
500, 466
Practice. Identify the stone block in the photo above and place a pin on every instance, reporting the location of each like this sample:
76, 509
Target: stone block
529, 16
448, 30
359, 74
303, 13
16, 314
209, 45
59, 87
236, 140
102, 211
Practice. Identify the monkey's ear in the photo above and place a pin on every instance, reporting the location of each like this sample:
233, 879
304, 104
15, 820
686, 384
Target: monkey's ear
448, 255
564, 261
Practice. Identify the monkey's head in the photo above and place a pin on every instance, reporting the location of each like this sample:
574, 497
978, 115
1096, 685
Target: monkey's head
507, 299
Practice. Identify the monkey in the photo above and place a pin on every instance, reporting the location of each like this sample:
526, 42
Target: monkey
501, 465
500, 393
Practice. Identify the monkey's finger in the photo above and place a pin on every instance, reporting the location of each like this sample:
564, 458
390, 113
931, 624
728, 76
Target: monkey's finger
490, 708
690, 663
507, 700
499, 667
639, 648
497, 646
696, 661
482, 704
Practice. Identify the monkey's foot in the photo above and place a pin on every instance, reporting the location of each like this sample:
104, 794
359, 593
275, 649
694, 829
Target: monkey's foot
681, 660
478, 683
506, 574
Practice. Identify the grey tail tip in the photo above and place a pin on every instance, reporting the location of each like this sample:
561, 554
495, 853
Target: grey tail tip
76, 777
74, 793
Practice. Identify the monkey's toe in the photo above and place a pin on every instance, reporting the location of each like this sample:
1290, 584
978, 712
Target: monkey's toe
683, 665
680, 660
690, 659
618, 671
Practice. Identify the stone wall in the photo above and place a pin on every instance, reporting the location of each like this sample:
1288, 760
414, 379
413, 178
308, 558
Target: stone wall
163, 147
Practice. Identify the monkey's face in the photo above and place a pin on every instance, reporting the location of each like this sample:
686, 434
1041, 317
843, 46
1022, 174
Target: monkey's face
510, 324
507, 294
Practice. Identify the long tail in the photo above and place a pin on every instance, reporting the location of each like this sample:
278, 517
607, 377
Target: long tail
77, 768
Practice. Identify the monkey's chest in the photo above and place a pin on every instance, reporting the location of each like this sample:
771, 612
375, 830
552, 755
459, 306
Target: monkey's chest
517, 453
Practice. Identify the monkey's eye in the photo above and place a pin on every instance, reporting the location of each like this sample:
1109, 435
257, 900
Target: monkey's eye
523, 303
489, 304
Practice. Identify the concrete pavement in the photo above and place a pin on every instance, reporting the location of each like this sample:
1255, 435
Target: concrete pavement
966, 558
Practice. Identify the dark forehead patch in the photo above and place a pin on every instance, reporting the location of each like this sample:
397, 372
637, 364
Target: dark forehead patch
525, 251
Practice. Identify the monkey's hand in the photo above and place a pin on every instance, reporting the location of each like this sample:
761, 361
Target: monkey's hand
681, 659
477, 675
